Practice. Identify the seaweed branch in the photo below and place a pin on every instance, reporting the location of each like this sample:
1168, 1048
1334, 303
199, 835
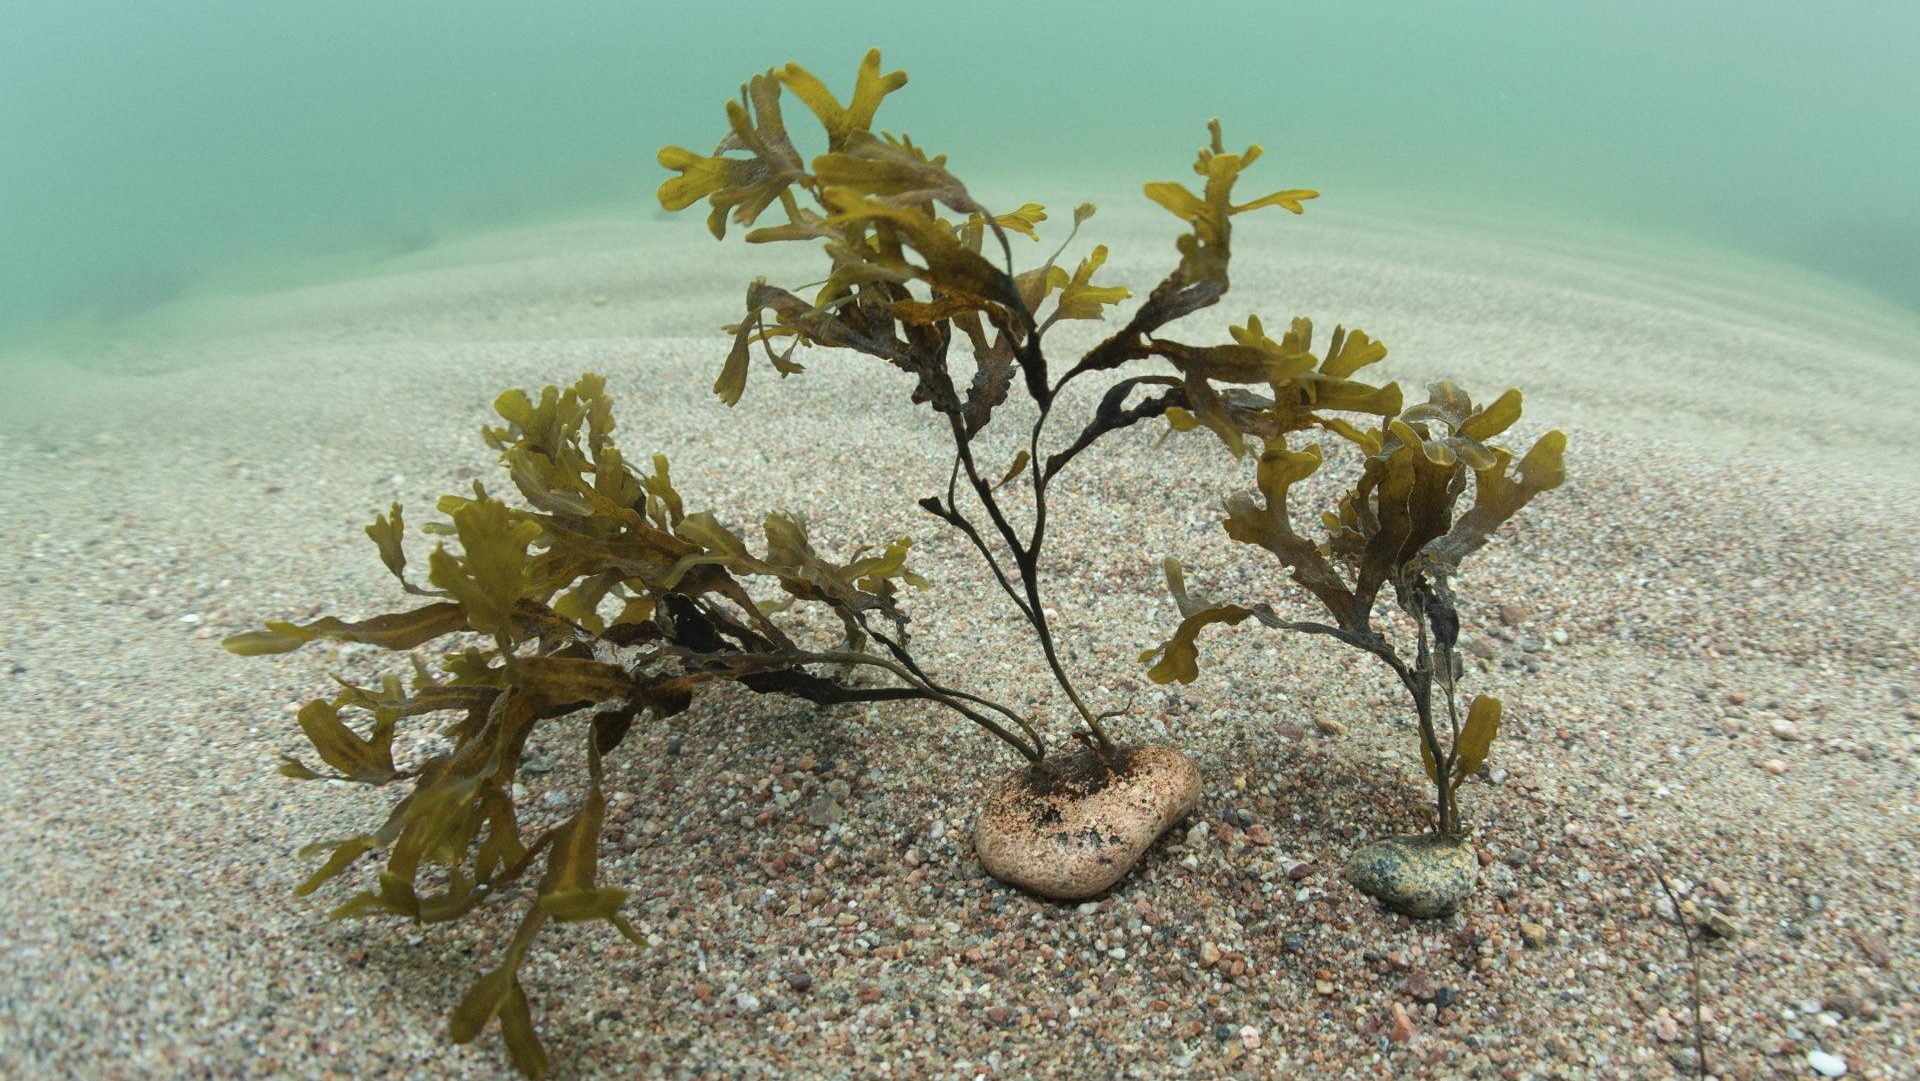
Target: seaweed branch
1396, 526
1691, 938
602, 597
907, 284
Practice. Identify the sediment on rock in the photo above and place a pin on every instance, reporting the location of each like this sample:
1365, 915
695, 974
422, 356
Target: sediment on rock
1071, 829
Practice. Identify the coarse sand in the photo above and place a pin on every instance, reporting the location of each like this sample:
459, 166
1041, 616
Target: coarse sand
1706, 639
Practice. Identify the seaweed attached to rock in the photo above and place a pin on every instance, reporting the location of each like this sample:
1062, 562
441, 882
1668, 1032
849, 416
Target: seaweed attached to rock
1399, 526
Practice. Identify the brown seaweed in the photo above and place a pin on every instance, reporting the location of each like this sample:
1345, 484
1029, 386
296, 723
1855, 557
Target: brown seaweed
1395, 527
922, 276
600, 602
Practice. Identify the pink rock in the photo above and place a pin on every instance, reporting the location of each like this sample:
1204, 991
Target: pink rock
1402, 1025
1071, 828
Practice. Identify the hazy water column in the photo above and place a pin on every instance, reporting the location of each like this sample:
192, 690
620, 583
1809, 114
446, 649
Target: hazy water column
158, 147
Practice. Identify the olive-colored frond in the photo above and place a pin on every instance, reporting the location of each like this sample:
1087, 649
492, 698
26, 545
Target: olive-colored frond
948, 265
1349, 351
1445, 403
1498, 496
1411, 499
498, 995
1210, 409
842, 122
898, 173
579, 418
568, 890
341, 855
1306, 397
524, 1049
1267, 521
1367, 441
724, 182
489, 576
397, 631
369, 761
1079, 297
572, 680
1254, 358
1022, 221
1178, 658
1205, 251
1476, 739
734, 187
1398, 523
946, 309
861, 586
1493, 419
1305, 389
870, 573
388, 533
428, 695
603, 594
994, 368
1451, 428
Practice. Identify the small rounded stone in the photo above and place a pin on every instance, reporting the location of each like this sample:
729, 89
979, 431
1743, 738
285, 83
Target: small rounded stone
1072, 829
1422, 877
1827, 1065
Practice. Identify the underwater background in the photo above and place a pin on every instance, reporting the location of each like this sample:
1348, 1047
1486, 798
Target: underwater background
165, 149
267, 268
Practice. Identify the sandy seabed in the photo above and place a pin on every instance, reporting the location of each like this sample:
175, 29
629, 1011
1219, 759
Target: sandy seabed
1708, 648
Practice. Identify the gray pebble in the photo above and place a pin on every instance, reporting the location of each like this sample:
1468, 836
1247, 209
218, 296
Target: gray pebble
823, 811
1422, 877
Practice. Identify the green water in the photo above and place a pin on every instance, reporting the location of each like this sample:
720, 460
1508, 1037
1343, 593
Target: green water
158, 149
